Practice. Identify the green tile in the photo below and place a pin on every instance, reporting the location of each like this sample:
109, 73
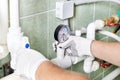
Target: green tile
114, 8
82, 17
102, 10
35, 28
53, 23
97, 73
30, 7
52, 4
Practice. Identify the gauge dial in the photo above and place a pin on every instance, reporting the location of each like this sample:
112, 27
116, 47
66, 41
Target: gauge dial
62, 33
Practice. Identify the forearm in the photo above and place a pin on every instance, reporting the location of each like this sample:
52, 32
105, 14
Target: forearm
108, 51
49, 71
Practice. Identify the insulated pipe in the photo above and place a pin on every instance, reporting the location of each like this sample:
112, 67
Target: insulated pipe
79, 2
3, 21
112, 75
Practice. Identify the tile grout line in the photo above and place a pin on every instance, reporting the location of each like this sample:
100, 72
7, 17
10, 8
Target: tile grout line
48, 30
102, 73
37, 14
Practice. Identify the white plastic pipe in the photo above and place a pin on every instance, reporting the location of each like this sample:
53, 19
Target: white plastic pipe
78, 2
107, 33
92, 27
91, 31
3, 21
112, 75
14, 13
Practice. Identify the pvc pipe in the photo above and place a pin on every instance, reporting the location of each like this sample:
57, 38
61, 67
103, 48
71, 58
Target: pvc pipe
98, 24
79, 2
3, 21
91, 31
107, 33
87, 67
14, 13
112, 75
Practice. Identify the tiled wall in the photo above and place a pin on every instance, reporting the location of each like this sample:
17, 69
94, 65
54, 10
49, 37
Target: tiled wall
38, 22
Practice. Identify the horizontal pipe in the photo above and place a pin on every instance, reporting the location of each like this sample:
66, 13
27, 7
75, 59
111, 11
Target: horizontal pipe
112, 75
78, 2
107, 33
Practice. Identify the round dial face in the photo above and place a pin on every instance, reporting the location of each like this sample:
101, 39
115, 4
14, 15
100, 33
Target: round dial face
63, 34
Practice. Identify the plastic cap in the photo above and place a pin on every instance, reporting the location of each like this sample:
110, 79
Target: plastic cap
27, 45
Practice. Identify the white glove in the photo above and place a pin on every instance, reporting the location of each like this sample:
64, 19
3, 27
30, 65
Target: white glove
27, 62
78, 45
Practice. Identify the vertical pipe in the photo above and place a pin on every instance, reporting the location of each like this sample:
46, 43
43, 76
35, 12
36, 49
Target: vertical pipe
14, 13
3, 21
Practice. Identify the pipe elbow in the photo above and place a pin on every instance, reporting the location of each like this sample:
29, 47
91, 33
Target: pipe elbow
99, 24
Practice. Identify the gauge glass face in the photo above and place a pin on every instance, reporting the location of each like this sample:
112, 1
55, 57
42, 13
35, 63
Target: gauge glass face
63, 34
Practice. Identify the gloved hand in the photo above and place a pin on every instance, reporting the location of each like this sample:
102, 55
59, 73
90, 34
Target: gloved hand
78, 45
27, 62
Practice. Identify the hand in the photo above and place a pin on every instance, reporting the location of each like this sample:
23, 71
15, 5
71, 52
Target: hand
78, 45
27, 62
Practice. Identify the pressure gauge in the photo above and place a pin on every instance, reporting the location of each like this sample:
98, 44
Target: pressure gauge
62, 33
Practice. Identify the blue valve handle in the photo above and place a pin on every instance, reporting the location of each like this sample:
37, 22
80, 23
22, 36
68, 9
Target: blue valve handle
27, 45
